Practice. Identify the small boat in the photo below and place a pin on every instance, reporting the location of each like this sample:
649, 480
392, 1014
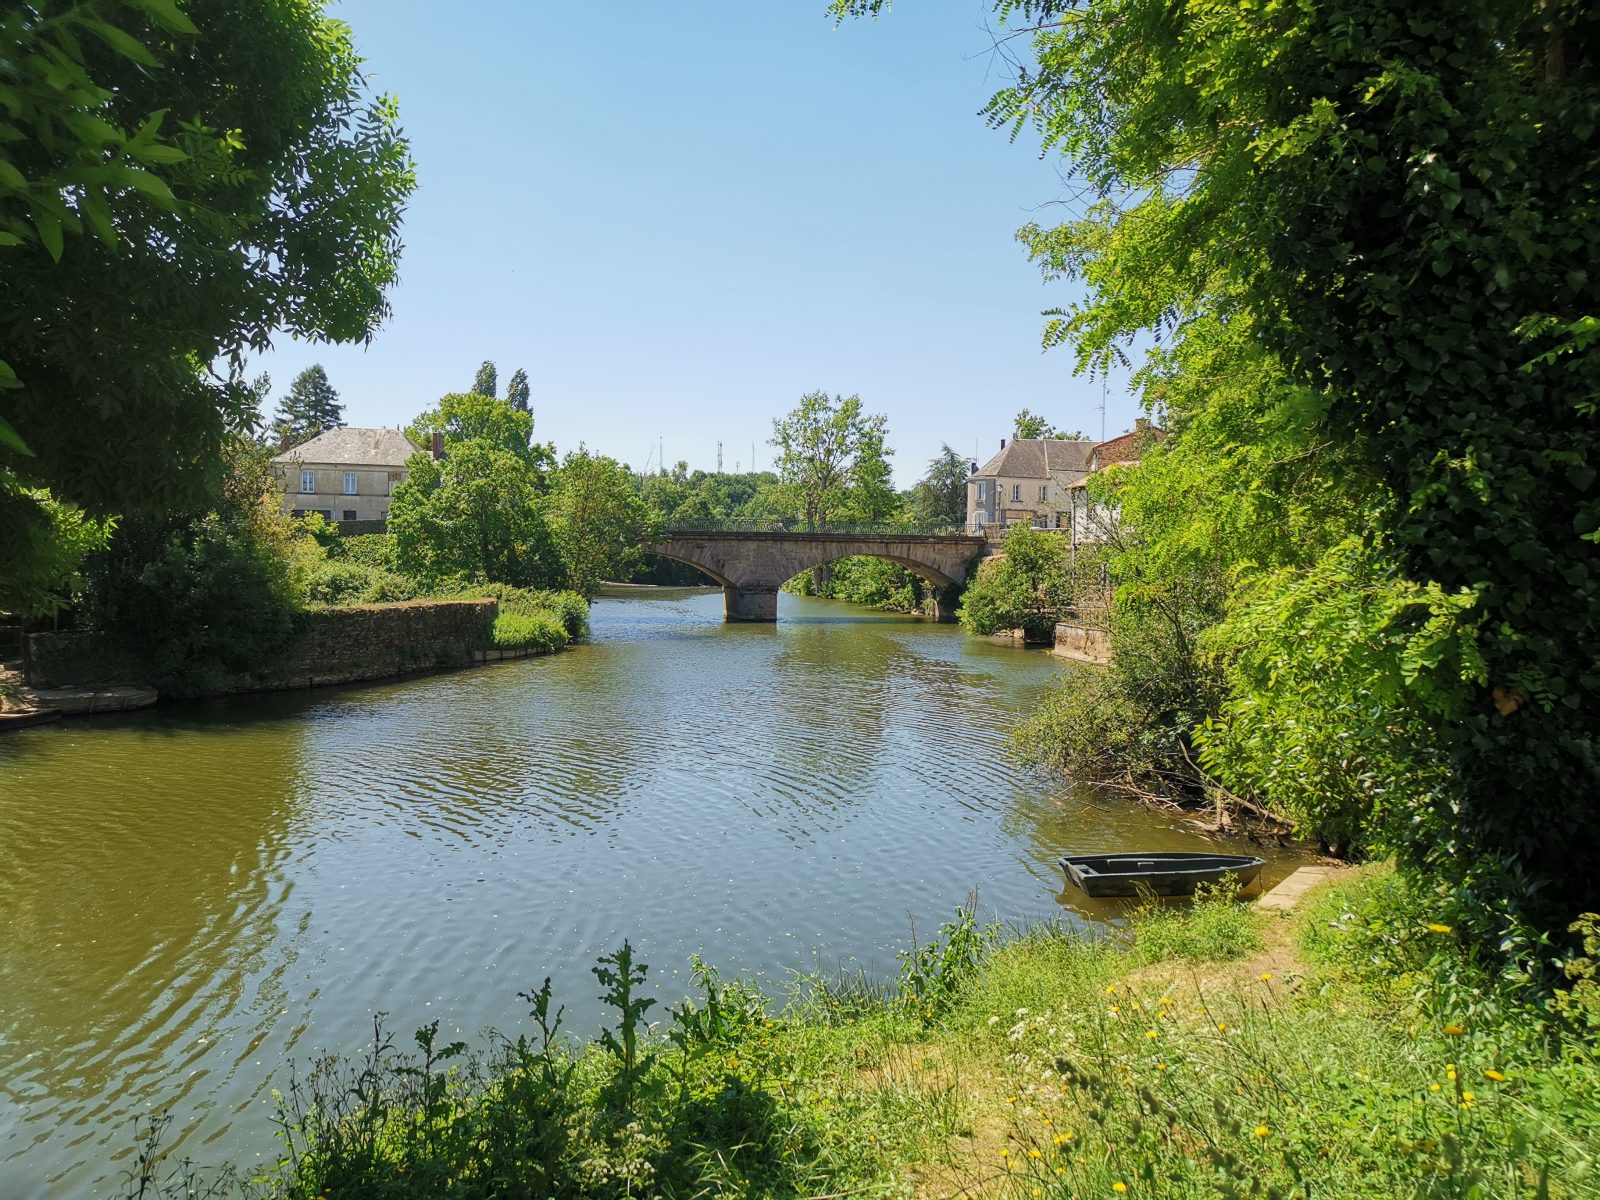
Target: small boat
1166, 873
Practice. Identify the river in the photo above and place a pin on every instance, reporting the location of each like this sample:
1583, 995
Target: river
193, 896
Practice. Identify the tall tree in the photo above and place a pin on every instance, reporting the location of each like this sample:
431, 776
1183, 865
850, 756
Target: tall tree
1029, 426
819, 443
518, 394
153, 165
487, 381
310, 407
477, 514
599, 520
940, 496
476, 416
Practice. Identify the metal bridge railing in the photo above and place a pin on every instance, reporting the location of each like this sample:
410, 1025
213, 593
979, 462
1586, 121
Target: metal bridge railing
832, 529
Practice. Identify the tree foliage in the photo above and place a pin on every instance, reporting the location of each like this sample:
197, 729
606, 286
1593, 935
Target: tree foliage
831, 458
1029, 587
940, 496
599, 520
311, 406
179, 181
518, 393
487, 381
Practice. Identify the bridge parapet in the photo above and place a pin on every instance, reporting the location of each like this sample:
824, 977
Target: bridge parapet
753, 563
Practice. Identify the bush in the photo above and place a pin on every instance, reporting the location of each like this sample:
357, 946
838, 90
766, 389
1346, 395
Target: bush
337, 581
1215, 928
370, 549
569, 608
518, 630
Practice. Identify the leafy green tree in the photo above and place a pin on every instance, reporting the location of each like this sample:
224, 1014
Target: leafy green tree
199, 598
54, 538
871, 498
475, 515
160, 157
311, 406
940, 496
518, 393
820, 443
1027, 588
487, 381
1369, 191
599, 520
1029, 426
475, 416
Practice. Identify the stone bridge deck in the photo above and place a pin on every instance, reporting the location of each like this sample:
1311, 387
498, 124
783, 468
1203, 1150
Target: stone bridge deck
752, 565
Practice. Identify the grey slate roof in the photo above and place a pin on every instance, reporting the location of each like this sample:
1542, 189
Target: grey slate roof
1036, 458
355, 448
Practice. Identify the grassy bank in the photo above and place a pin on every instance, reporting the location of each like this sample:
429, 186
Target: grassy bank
1349, 1051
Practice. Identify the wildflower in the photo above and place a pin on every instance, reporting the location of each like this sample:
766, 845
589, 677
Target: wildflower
1433, 1087
1116, 1010
1467, 1099
1491, 1073
1453, 1030
1435, 927
1004, 1153
1222, 1027
1161, 1066
1152, 1033
1166, 1002
1011, 1099
1450, 1073
1119, 1187
1262, 1131
1034, 1154
1110, 988
1266, 977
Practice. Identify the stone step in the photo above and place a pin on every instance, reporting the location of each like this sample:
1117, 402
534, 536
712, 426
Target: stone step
1288, 892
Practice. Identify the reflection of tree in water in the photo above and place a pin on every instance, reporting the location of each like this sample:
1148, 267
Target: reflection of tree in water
140, 904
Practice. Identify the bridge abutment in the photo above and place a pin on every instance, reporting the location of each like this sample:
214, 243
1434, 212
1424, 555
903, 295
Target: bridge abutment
945, 602
753, 603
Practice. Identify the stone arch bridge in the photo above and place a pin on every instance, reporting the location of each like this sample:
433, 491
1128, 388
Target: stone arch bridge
751, 565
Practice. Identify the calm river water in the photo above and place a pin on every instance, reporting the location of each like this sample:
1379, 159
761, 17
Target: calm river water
193, 896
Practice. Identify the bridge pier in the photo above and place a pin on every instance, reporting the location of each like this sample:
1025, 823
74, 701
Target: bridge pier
945, 602
755, 603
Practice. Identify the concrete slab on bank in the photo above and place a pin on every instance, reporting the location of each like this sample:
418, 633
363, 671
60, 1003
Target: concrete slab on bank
1287, 893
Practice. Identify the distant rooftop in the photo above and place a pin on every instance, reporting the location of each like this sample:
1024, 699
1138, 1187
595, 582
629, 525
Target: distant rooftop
1036, 458
354, 447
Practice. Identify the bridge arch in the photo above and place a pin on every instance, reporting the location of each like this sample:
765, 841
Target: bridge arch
753, 565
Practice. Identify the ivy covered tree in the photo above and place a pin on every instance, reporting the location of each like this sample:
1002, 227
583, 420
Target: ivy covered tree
311, 406
1386, 213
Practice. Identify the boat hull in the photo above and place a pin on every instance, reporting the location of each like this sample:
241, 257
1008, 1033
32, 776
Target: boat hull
1165, 873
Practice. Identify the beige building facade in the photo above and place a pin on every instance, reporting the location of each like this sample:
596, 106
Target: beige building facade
1029, 480
344, 474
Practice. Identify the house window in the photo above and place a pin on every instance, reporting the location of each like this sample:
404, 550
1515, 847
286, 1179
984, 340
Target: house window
349, 514
1016, 491
1044, 491
308, 481
349, 483
980, 489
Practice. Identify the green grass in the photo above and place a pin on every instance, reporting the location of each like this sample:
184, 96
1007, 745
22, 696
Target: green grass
1215, 1052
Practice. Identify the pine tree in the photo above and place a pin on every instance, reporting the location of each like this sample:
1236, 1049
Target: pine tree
518, 393
310, 407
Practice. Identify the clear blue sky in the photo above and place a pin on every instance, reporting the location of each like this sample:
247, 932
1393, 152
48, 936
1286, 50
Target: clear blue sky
679, 217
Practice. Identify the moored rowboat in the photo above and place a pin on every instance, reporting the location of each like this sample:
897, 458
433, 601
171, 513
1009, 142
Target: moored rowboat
1164, 872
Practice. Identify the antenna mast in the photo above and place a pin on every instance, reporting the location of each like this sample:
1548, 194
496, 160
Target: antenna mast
719, 458
1102, 408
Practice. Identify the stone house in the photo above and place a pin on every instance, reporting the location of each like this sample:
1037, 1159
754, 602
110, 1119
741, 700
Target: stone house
1030, 479
345, 474
1090, 521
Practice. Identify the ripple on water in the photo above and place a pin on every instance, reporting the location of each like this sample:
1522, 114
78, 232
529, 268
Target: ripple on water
191, 896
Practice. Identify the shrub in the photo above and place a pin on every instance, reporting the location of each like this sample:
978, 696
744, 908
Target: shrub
370, 549
1215, 928
517, 631
342, 582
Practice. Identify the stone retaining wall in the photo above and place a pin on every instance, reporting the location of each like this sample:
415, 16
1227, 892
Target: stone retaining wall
333, 645
1082, 643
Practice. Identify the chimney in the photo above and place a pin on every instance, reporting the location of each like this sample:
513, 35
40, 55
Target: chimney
1002, 443
438, 446
1141, 425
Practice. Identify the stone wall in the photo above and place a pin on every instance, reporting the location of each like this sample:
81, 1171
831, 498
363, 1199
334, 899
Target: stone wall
333, 645
1082, 643
375, 641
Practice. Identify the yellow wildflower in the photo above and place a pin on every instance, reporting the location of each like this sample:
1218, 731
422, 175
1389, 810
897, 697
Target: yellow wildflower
1262, 1131
1161, 1066
1491, 1073
1110, 988
1151, 1033
1004, 1153
1034, 1154
1222, 1027
1435, 927
1119, 1187
1266, 977
1453, 1030
1433, 1087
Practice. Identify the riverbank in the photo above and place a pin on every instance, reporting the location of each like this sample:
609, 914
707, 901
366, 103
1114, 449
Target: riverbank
1217, 1050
